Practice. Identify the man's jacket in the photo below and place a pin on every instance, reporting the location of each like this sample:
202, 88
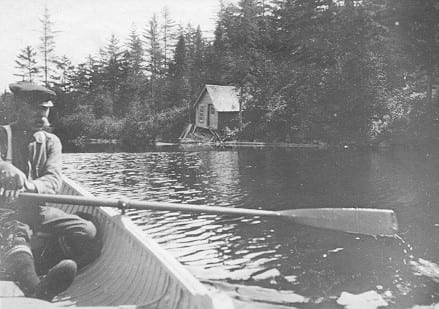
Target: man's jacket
38, 155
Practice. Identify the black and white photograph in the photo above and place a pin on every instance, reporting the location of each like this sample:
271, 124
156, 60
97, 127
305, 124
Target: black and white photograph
219, 154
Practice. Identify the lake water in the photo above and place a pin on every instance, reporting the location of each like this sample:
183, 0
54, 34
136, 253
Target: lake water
271, 261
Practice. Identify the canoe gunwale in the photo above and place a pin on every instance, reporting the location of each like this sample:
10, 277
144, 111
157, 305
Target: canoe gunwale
195, 294
139, 236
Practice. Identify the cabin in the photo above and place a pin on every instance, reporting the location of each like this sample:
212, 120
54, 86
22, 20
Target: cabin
217, 107
217, 111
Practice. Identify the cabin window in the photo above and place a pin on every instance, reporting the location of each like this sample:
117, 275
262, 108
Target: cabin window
201, 114
212, 109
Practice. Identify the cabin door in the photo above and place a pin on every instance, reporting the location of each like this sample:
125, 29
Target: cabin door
209, 108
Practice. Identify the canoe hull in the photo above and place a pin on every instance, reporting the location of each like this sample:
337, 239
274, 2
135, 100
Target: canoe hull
132, 269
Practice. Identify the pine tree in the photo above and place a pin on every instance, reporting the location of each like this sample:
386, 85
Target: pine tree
87, 75
63, 73
115, 71
152, 43
220, 60
47, 46
155, 56
27, 63
134, 85
168, 36
198, 69
136, 53
179, 66
178, 75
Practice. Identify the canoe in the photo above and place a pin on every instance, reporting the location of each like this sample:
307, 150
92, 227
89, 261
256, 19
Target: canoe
133, 270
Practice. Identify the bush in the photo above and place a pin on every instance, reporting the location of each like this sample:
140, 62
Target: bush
75, 125
83, 125
138, 133
106, 128
405, 116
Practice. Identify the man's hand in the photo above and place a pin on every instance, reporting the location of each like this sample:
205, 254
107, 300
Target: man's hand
12, 181
11, 178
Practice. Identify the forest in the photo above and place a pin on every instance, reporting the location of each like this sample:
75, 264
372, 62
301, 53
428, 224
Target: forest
334, 71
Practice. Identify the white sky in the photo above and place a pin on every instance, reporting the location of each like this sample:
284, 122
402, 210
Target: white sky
86, 25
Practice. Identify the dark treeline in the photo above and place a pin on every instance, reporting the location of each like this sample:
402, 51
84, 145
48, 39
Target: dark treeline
328, 70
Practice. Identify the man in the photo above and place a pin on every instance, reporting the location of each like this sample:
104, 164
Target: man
31, 162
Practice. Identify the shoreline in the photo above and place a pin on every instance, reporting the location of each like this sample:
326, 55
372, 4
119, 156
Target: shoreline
254, 144
92, 141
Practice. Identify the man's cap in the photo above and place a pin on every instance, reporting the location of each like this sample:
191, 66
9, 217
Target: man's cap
38, 94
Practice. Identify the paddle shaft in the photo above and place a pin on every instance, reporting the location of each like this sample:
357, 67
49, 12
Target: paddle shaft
124, 204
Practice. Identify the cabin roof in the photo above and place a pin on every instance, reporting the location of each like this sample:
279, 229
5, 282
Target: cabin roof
224, 98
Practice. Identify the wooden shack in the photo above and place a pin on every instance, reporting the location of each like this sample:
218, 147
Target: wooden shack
217, 107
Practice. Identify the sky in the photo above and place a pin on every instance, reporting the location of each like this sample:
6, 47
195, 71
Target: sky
86, 25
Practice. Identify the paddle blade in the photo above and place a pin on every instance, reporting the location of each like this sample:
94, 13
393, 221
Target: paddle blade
352, 220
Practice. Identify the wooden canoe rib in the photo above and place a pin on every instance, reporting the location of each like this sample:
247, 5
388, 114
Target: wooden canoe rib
132, 269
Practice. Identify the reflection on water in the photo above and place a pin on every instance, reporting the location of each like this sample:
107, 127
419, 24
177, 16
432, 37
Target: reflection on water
310, 265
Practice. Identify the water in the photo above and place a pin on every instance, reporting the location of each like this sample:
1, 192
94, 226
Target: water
271, 261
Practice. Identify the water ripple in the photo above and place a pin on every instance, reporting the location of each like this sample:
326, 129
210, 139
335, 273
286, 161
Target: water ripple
280, 259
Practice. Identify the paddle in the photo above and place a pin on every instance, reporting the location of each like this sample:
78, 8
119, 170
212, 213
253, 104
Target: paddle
352, 220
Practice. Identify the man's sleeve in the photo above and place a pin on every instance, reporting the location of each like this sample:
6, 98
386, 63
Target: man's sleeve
50, 180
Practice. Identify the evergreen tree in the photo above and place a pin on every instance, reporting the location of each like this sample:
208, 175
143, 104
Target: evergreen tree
168, 35
198, 68
221, 62
111, 59
135, 53
87, 75
179, 85
47, 46
178, 68
155, 56
63, 74
115, 71
27, 63
135, 84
